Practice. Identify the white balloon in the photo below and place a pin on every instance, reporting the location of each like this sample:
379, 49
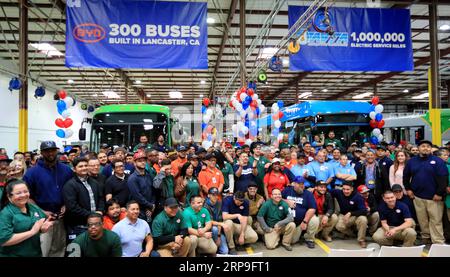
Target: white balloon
372, 115
69, 101
234, 127
277, 124
209, 112
206, 118
250, 114
243, 96
259, 102
380, 137
248, 142
65, 114
255, 96
379, 108
242, 114
376, 132
280, 137
275, 107
262, 108
244, 130
68, 132
206, 144
240, 124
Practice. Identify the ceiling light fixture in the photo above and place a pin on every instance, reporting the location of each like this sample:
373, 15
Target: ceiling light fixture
362, 95
70, 81
444, 27
202, 82
175, 94
325, 90
201, 95
210, 20
110, 94
138, 82
405, 91
47, 49
268, 53
421, 96
305, 95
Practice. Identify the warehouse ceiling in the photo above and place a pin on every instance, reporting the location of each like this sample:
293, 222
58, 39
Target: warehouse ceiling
47, 24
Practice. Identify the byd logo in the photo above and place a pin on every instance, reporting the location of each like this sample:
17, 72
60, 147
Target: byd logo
89, 33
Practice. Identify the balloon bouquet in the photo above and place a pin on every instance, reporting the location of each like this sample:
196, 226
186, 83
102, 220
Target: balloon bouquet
277, 114
64, 103
376, 121
208, 130
248, 106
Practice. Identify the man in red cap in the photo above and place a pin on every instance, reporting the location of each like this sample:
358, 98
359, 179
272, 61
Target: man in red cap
373, 216
140, 184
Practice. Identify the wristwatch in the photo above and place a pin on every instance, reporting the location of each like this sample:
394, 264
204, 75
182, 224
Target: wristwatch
305, 222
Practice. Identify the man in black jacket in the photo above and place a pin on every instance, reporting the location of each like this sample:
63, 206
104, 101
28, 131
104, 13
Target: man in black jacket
169, 232
82, 197
369, 173
325, 210
94, 173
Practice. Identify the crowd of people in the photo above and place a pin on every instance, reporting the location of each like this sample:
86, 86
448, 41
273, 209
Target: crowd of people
155, 201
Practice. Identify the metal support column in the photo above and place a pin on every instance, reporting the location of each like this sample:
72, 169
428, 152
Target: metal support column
23, 68
242, 42
433, 77
448, 93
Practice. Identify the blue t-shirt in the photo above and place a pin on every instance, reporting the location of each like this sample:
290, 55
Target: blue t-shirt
303, 202
321, 171
228, 206
299, 170
396, 216
348, 169
241, 183
423, 173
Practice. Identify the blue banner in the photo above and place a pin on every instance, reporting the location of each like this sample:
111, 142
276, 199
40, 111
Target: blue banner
354, 39
136, 34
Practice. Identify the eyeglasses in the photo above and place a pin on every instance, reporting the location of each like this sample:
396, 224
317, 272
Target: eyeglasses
96, 224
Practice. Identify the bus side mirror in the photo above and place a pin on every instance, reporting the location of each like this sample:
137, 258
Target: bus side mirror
82, 134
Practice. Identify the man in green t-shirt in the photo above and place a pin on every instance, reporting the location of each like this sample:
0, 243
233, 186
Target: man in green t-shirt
275, 220
199, 224
96, 241
261, 165
332, 139
169, 231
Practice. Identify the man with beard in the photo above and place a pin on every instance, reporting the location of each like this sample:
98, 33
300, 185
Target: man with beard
180, 161
425, 178
160, 145
103, 159
46, 181
98, 242
152, 159
113, 213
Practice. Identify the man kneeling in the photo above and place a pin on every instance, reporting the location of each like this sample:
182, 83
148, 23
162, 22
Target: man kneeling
276, 220
396, 222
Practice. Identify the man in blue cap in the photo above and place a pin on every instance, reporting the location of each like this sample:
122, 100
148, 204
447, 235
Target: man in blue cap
46, 181
302, 207
180, 161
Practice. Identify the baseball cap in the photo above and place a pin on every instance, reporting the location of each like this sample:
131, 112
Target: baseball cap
381, 147
392, 143
330, 144
200, 150
104, 145
48, 145
210, 156
396, 187
252, 185
181, 148
299, 180
321, 183
214, 191
117, 149
276, 160
4, 158
363, 189
192, 156
357, 150
425, 142
139, 155
171, 202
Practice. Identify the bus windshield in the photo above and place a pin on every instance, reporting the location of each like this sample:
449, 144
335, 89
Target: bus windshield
125, 128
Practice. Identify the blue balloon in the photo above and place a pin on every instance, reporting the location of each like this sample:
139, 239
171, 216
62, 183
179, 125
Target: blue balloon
245, 105
60, 111
241, 134
374, 140
61, 105
247, 124
275, 132
60, 133
248, 99
372, 108
204, 125
280, 104
257, 111
203, 109
378, 117
209, 137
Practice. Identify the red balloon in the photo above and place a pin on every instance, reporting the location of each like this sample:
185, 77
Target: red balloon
373, 123
206, 102
238, 97
241, 142
380, 124
254, 104
231, 104
375, 100
280, 114
243, 89
204, 136
250, 92
59, 122
275, 117
68, 122
62, 94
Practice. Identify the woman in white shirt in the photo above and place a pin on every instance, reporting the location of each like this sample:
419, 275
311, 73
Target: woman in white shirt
396, 170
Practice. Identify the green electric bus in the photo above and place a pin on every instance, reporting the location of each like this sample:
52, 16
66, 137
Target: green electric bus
123, 124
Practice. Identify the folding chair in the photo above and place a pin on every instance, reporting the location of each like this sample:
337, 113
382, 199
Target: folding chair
351, 253
439, 250
394, 251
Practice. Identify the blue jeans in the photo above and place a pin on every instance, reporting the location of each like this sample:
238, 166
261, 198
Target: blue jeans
223, 247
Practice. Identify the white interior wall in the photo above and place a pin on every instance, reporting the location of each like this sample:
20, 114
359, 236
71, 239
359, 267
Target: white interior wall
41, 118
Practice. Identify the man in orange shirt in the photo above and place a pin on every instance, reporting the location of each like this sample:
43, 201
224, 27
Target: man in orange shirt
180, 161
211, 176
113, 214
